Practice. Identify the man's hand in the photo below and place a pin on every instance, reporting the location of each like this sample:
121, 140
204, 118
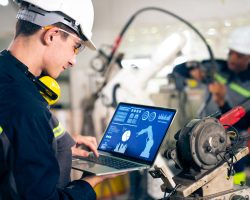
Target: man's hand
94, 180
219, 92
88, 141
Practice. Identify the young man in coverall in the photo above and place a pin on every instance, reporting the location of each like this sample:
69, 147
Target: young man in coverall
35, 151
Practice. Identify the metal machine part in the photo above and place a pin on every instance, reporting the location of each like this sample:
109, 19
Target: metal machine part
214, 184
207, 139
206, 150
201, 145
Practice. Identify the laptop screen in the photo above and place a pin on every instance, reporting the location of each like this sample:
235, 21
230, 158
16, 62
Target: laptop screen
137, 131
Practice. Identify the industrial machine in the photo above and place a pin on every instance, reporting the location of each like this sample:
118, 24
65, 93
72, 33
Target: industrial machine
205, 152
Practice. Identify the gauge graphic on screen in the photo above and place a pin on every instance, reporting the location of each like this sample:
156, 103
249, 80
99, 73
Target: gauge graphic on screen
126, 135
145, 115
152, 116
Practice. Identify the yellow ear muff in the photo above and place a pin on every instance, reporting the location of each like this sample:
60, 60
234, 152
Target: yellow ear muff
53, 85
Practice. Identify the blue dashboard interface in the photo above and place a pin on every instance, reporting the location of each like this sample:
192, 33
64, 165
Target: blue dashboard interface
137, 131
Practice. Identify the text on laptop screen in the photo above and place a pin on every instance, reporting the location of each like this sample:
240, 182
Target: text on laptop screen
137, 131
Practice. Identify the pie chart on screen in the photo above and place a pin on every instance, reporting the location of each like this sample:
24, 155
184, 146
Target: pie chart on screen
126, 135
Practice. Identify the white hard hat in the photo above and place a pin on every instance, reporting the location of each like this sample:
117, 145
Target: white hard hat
77, 14
239, 40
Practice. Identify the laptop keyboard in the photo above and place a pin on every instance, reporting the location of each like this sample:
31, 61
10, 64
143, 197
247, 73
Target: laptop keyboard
111, 162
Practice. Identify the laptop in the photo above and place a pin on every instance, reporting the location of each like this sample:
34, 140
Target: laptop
130, 142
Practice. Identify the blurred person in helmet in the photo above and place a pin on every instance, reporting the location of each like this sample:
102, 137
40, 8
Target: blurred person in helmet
232, 86
35, 151
232, 79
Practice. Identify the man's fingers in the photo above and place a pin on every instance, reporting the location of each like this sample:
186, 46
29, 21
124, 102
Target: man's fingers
79, 152
93, 148
92, 139
89, 142
86, 140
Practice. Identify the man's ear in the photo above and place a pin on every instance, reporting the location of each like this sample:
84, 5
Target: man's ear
49, 36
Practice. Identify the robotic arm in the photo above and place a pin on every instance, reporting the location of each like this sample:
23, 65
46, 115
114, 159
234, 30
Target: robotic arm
129, 84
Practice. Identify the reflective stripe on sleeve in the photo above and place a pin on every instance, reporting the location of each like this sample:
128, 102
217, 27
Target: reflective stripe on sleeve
220, 79
240, 90
58, 131
233, 86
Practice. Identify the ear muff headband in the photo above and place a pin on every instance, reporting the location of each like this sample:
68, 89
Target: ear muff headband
48, 87
41, 86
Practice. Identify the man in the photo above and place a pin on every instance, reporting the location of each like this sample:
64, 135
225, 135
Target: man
232, 83
232, 86
34, 150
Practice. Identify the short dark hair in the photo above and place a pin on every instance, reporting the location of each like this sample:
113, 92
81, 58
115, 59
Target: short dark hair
27, 28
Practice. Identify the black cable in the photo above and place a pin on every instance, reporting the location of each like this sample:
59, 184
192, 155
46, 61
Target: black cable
237, 135
230, 154
236, 132
228, 161
118, 40
171, 193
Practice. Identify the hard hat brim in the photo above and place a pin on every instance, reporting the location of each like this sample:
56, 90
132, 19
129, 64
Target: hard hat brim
90, 44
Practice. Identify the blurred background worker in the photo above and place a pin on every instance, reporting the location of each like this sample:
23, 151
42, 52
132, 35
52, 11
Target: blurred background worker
232, 78
231, 81
232, 86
